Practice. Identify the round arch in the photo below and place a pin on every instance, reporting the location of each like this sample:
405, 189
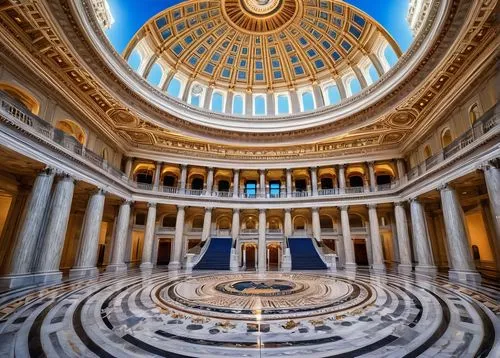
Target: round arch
23, 96
72, 129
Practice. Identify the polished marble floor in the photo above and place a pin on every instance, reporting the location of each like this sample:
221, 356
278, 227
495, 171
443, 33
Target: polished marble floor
221, 314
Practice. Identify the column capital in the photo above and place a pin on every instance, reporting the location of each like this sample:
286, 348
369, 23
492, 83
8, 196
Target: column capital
208, 208
315, 209
210, 169
412, 200
262, 211
236, 170
344, 207
490, 164
262, 171
288, 210
46, 171
443, 186
184, 166
372, 206
126, 202
370, 163
289, 170
341, 166
236, 210
98, 191
151, 205
399, 203
181, 207
314, 167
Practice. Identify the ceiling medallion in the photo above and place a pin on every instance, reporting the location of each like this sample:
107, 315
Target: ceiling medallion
260, 16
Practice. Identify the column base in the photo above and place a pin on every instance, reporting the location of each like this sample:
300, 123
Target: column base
116, 268
146, 266
426, 270
406, 269
350, 266
174, 266
464, 276
378, 268
15, 281
81, 272
48, 277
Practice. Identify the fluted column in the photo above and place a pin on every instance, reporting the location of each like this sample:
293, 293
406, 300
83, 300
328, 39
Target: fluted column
316, 224
47, 269
183, 179
341, 172
373, 180
403, 238
86, 257
262, 182
175, 264
288, 222
289, 183
314, 181
156, 183
235, 227
120, 243
236, 183
350, 259
128, 167
207, 224
376, 240
461, 261
262, 240
149, 234
421, 239
492, 179
210, 181
400, 163
24, 252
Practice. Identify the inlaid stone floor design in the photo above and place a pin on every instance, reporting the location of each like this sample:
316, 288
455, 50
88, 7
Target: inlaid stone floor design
221, 314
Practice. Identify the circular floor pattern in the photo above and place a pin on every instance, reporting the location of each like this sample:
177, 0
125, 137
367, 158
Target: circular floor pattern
175, 315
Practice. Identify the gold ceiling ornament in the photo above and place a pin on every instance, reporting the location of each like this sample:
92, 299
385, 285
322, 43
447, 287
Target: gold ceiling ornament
260, 16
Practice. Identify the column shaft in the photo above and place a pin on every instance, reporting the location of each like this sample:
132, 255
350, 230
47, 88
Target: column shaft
288, 222
376, 240
183, 179
121, 234
147, 248
316, 224
314, 181
421, 239
210, 181
262, 240
492, 179
235, 227
341, 175
350, 259
289, 183
207, 224
86, 258
403, 238
373, 180
175, 264
236, 183
461, 260
156, 183
55, 233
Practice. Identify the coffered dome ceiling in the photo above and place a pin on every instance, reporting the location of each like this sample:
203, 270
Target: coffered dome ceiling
259, 45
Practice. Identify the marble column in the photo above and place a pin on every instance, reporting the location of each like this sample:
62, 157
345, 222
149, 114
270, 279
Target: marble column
120, 241
149, 234
156, 182
288, 222
47, 268
289, 183
492, 179
24, 252
235, 227
421, 239
210, 181
183, 179
316, 224
373, 179
461, 261
341, 172
128, 167
314, 181
262, 183
236, 183
86, 257
207, 224
405, 265
350, 259
394, 237
262, 240
376, 240
400, 163
175, 263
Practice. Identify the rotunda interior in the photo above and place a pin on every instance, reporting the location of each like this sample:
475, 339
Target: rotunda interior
257, 178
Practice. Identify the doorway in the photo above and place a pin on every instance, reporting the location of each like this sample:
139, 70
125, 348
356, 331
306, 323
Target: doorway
164, 248
249, 252
360, 252
273, 252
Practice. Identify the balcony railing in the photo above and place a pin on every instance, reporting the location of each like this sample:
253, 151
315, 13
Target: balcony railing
358, 229
17, 115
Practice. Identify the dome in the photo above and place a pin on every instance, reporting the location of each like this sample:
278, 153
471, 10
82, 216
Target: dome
261, 57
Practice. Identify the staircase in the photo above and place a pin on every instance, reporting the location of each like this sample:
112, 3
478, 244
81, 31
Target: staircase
305, 255
217, 256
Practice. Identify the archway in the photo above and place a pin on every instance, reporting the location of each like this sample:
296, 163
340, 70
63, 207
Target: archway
22, 96
164, 251
446, 138
72, 129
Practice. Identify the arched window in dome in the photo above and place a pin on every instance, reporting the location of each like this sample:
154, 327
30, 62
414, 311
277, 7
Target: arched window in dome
446, 138
474, 114
196, 95
372, 72
195, 100
283, 104
217, 103
134, 60
238, 104
155, 75
259, 106
333, 95
174, 87
390, 55
307, 102
354, 86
